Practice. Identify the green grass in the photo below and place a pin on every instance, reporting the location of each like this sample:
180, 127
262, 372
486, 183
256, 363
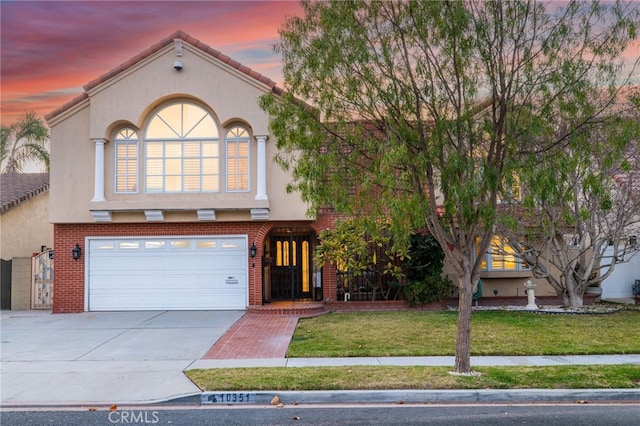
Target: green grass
492, 333
385, 377
433, 333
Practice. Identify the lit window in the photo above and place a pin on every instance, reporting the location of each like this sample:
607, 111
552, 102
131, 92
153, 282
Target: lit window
180, 244
206, 244
182, 151
126, 154
129, 245
154, 244
501, 257
512, 190
237, 148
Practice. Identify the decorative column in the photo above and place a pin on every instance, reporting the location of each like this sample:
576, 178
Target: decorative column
261, 191
98, 187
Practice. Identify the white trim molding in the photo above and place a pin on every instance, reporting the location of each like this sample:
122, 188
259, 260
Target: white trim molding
206, 214
154, 215
259, 214
101, 215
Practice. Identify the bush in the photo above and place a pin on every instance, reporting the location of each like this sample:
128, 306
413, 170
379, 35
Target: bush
431, 288
424, 271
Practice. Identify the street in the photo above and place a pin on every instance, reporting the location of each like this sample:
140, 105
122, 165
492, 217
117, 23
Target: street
460, 415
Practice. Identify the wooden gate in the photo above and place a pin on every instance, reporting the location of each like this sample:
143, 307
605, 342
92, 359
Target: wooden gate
42, 281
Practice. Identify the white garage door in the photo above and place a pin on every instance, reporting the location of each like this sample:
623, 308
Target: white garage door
172, 273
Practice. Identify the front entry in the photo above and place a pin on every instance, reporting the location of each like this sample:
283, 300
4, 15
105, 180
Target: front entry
289, 272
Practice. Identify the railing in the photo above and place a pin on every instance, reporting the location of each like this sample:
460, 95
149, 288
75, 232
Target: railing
370, 285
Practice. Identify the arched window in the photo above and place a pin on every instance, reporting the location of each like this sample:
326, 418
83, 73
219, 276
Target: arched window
126, 156
237, 149
182, 150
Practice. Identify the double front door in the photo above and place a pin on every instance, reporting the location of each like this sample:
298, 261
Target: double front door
289, 265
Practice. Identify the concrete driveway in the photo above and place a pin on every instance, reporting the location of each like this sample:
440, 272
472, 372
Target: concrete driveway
103, 357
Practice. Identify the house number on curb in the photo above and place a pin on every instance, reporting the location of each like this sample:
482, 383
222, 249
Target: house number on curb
228, 398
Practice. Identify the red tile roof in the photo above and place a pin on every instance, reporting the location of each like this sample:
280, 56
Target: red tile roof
150, 51
16, 188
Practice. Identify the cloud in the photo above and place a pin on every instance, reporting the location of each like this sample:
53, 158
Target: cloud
48, 46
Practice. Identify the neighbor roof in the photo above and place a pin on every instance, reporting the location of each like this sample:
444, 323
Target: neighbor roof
153, 49
16, 188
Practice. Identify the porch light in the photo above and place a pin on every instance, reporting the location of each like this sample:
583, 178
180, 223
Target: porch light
76, 252
253, 250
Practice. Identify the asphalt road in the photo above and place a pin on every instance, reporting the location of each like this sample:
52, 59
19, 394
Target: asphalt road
459, 415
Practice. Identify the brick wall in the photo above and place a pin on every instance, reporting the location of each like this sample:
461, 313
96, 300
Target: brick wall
69, 279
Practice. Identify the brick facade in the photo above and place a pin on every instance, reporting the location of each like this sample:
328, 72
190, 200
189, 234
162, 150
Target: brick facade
69, 280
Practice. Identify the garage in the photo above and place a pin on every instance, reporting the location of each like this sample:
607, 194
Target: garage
166, 273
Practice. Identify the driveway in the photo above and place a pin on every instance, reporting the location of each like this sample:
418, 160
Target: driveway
103, 357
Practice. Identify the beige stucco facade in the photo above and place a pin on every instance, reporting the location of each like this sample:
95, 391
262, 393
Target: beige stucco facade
24, 231
129, 99
26, 228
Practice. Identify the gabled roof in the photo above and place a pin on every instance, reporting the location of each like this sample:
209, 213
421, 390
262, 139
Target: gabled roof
16, 188
155, 48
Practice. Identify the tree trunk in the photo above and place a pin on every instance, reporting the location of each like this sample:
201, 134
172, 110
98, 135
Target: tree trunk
571, 298
463, 336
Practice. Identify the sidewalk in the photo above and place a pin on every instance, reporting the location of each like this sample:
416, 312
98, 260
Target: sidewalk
436, 361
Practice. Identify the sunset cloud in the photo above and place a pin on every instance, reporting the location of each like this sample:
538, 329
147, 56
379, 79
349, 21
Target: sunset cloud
50, 49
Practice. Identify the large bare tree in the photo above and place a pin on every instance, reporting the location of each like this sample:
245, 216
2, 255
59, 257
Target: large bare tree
581, 209
427, 109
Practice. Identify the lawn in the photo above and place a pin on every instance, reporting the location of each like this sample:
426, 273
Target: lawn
417, 377
433, 333
492, 333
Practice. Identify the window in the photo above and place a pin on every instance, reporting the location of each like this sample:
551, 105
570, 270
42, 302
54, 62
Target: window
182, 150
512, 190
237, 148
126, 147
501, 257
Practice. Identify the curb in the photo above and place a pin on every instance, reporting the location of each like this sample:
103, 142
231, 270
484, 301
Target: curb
471, 396
485, 396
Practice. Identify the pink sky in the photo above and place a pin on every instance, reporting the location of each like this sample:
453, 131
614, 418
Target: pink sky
50, 49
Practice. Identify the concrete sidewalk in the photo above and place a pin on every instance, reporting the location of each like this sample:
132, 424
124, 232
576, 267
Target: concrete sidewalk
436, 361
132, 358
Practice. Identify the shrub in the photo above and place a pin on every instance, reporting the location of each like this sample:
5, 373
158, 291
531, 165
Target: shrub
424, 272
431, 288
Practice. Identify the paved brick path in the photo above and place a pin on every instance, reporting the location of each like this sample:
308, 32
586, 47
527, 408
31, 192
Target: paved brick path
255, 336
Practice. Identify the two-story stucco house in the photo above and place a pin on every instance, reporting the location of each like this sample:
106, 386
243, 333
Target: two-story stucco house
164, 193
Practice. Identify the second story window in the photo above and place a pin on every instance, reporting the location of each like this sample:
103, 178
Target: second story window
237, 148
181, 150
126, 155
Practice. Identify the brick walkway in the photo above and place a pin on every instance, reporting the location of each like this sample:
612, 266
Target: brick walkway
255, 336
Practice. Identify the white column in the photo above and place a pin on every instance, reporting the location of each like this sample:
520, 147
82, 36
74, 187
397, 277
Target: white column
261, 191
98, 187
